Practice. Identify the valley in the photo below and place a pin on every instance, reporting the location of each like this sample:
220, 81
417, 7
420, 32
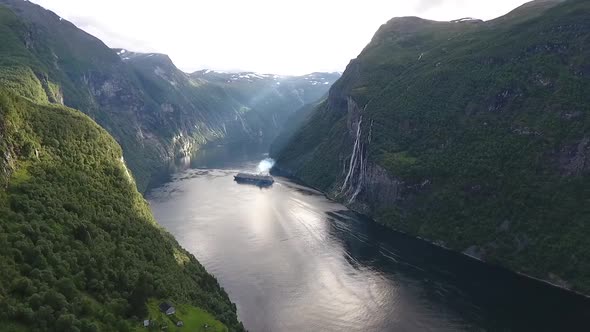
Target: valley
450, 163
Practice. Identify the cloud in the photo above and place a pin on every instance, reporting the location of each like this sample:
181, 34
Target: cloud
260, 35
424, 5
112, 38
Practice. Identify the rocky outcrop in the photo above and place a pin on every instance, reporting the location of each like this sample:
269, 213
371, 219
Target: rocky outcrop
364, 184
52, 90
6, 164
574, 159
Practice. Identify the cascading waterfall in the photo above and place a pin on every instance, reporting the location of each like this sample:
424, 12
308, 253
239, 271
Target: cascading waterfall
361, 177
356, 175
354, 158
243, 123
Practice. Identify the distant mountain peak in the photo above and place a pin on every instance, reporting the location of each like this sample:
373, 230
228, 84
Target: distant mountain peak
314, 78
150, 59
467, 20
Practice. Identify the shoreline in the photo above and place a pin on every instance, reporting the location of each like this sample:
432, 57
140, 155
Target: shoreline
277, 171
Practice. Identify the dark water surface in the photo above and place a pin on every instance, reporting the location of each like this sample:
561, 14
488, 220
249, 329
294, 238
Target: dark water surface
293, 260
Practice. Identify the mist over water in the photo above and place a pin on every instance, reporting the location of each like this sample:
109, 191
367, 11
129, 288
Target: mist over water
265, 165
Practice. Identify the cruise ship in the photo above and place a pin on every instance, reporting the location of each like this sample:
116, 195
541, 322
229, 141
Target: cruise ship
257, 179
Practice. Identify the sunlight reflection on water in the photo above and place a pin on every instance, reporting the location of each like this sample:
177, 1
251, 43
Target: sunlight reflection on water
294, 261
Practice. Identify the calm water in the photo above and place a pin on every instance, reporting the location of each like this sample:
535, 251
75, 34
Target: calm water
294, 261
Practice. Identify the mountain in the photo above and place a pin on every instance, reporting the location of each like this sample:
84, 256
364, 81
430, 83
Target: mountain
295, 121
228, 108
81, 249
85, 75
155, 111
472, 135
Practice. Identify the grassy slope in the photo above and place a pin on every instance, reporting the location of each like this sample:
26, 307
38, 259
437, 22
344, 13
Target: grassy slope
194, 319
84, 252
486, 113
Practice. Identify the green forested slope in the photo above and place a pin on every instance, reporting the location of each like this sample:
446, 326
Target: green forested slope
80, 249
86, 75
292, 125
474, 135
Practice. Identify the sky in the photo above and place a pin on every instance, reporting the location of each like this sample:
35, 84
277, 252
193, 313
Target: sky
265, 36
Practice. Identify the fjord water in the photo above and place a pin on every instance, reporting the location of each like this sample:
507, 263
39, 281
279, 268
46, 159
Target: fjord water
293, 260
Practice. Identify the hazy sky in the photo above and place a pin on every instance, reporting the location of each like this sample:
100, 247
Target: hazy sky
269, 36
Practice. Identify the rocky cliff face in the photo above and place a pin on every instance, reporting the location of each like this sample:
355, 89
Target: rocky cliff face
366, 185
230, 108
469, 134
6, 166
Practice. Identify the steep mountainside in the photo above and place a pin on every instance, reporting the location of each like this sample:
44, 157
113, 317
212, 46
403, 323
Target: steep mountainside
80, 249
87, 76
228, 108
474, 135
292, 125
155, 111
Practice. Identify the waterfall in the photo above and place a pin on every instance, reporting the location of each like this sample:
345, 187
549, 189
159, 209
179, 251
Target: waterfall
361, 177
354, 157
356, 176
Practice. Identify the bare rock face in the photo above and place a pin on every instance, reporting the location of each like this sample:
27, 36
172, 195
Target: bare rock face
365, 185
5, 168
384, 189
6, 158
574, 159
53, 92
475, 252
557, 280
